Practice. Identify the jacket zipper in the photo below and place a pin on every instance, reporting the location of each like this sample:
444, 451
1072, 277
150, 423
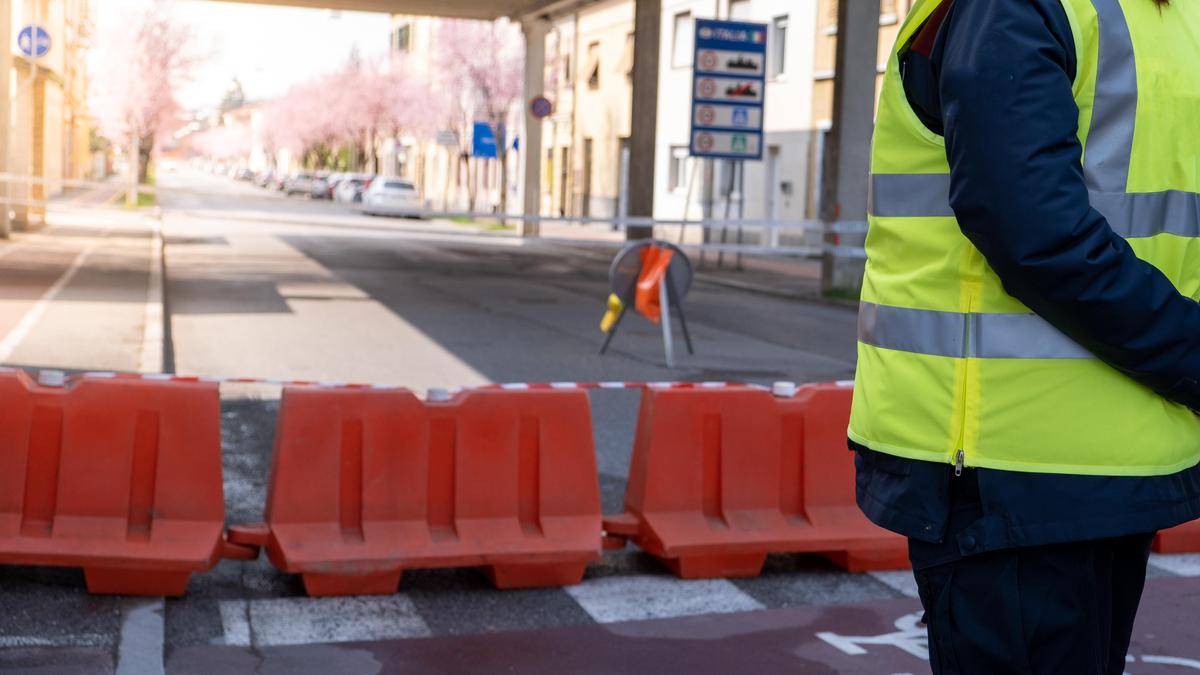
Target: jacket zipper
960, 455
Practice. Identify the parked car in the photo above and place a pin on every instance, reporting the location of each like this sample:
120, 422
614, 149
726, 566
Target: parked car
391, 197
244, 174
323, 184
299, 183
349, 189
263, 178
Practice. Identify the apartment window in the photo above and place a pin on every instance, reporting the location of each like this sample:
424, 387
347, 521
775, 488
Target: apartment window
592, 70
677, 170
566, 68
683, 40
777, 64
627, 57
739, 9
402, 38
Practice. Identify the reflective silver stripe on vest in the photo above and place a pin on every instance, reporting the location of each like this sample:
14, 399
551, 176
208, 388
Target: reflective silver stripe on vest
964, 335
1105, 159
903, 195
1130, 214
1114, 108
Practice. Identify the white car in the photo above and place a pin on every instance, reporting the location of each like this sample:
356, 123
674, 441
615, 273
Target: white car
350, 188
391, 197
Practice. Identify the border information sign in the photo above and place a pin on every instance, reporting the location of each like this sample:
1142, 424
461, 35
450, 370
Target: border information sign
728, 88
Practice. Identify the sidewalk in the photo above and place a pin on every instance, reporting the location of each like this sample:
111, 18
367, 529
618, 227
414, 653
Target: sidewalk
74, 294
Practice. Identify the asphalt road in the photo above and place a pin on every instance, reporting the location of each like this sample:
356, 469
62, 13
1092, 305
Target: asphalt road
259, 285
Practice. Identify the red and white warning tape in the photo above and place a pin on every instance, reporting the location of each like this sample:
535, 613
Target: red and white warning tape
58, 378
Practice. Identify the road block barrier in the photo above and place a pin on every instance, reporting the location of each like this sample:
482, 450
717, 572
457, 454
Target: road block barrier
121, 477
721, 477
1180, 539
367, 483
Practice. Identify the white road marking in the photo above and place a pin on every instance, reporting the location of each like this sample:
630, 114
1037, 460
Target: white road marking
899, 580
633, 598
293, 621
140, 651
236, 622
79, 640
152, 327
27, 322
1183, 564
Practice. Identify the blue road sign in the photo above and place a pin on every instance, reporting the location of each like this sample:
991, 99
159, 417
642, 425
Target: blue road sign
728, 89
27, 45
540, 107
483, 141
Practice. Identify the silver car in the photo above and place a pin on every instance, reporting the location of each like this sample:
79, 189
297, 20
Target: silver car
299, 184
391, 197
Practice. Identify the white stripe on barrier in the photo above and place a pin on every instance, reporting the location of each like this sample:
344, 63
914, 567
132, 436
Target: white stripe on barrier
505, 386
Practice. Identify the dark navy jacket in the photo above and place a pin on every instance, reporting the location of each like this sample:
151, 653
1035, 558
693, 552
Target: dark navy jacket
997, 85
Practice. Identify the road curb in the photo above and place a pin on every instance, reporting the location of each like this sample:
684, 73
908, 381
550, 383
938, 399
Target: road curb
154, 329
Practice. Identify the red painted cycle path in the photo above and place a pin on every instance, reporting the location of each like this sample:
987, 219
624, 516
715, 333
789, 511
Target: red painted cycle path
880, 638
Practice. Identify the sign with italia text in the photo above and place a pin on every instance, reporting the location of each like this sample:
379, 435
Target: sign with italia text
728, 89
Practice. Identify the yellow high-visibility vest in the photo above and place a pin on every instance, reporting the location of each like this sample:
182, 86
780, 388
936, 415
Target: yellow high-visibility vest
953, 369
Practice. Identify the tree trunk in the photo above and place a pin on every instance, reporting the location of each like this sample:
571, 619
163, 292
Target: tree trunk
502, 157
472, 188
145, 150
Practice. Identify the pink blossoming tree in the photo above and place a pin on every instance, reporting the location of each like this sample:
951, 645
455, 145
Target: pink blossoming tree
142, 56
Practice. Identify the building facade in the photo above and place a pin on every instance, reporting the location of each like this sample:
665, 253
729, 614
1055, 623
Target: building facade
50, 129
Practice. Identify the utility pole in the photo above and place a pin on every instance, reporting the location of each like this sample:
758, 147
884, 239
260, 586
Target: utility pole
647, 25
847, 159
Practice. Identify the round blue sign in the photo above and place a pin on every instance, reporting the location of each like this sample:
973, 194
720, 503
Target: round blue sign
540, 107
30, 47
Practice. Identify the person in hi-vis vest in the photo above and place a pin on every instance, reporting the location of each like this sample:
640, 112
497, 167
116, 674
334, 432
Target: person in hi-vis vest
1028, 339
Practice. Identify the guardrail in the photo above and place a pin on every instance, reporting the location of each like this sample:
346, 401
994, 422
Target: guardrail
758, 230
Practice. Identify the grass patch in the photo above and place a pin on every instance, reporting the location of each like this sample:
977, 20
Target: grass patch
484, 226
843, 293
147, 199
144, 199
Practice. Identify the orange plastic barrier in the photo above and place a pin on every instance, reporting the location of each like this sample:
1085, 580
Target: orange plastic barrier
1180, 539
722, 477
367, 483
121, 477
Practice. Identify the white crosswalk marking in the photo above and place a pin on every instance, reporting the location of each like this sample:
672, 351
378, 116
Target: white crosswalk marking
1183, 564
899, 580
634, 598
292, 621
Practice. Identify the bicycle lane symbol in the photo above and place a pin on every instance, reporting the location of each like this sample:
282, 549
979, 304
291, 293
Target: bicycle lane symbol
911, 638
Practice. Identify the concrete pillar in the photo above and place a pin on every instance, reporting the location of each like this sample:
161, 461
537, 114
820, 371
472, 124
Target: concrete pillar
6, 63
647, 29
847, 158
535, 30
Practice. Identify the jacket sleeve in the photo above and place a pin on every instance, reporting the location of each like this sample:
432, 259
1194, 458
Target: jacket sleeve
1017, 188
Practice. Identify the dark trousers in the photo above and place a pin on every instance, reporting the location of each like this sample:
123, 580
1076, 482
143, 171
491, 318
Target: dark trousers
1058, 609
